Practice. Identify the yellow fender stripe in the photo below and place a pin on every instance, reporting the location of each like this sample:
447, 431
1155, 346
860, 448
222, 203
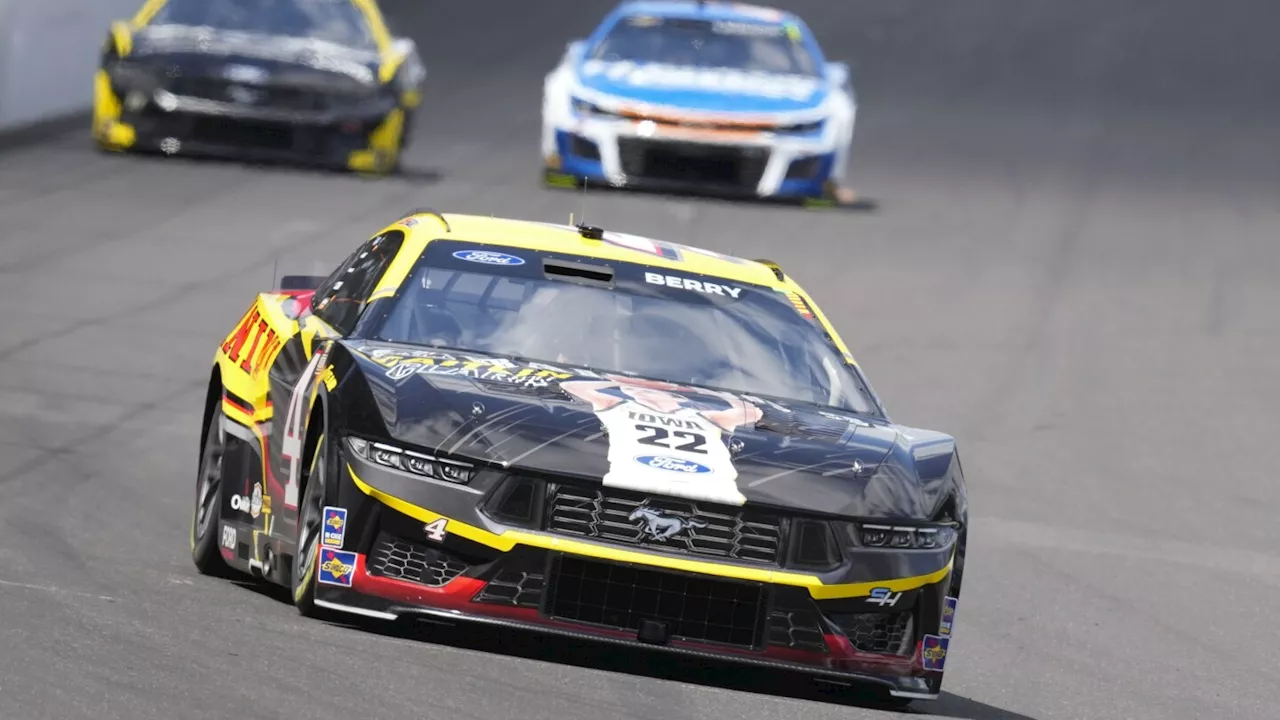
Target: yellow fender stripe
147, 12
122, 37
506, 541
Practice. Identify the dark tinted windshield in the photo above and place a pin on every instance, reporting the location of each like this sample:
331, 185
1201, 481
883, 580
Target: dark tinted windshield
677, 327
333, 20
749, 46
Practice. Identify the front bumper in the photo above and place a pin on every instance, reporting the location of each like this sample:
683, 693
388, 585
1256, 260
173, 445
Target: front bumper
362, 137
392, 568
643, 154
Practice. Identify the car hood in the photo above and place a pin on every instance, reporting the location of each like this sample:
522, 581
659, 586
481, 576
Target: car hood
269, 52
701, 89
520, 416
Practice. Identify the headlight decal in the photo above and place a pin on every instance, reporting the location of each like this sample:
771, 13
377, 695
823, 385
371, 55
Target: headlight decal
414, 463
906, 537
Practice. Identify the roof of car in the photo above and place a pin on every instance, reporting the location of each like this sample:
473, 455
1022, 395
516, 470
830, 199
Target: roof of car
540, 236
707, 10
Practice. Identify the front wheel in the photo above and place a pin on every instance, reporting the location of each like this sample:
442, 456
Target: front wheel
205, 521
310, 526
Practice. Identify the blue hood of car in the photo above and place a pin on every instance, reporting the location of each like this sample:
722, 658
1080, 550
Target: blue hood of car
702, 89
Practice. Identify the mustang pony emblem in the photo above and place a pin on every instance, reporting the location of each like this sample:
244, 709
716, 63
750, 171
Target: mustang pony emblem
660, 526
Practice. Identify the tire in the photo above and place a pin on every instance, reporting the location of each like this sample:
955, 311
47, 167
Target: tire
205, 520
307, 540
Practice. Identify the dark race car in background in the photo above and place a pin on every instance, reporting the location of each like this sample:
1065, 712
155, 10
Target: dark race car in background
320, 81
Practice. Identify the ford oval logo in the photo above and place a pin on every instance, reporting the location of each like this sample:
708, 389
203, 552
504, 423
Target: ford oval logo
670, 464
488, 258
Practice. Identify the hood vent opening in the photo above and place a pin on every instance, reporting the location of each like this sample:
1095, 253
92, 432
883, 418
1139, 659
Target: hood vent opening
813, 545
600, 275
517, 502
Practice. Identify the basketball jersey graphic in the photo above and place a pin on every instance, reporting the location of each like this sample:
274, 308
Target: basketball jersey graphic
679, 454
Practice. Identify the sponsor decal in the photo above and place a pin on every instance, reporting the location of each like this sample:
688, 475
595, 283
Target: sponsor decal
933, 653
263, 344
228, 537
436, 530
884, 597
523, 377
336, 567
727, 81
403, 363
334, 529
672, 464
487, 257
244, 95
659, 525
248, 74
251, 504
746, 29
701, 286
665, 439
948, 615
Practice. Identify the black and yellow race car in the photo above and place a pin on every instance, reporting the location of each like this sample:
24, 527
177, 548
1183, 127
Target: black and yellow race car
583, 432
319, 81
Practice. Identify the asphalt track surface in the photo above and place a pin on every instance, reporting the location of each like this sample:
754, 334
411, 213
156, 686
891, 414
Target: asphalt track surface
1074, 269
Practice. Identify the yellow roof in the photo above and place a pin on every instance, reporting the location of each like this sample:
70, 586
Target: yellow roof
567, 239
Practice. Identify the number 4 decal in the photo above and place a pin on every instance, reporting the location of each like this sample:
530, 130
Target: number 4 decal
291, 448
435, 529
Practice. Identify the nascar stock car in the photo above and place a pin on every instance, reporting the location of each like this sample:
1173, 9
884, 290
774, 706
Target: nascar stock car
701, 96
586, 433
321, 81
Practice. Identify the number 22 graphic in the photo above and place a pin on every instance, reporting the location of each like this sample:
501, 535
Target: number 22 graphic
692, 441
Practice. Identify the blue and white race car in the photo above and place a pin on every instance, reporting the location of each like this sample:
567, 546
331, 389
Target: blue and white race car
700, 96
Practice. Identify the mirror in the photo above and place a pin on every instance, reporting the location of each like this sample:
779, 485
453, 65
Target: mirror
404, 46
839, 73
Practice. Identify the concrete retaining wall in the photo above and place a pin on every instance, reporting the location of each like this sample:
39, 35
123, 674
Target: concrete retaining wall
48, 50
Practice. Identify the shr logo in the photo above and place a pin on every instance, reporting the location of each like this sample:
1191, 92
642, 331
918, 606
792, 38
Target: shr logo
882, 597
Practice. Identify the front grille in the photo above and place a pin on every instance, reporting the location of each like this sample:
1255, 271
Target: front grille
714, 165
397, 558
224, 131
584, 148
796, 629
885, 633
274, 97
794, 621
513, 587
693, 608
702, 529
805, 168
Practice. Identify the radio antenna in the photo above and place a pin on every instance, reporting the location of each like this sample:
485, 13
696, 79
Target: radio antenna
584, 202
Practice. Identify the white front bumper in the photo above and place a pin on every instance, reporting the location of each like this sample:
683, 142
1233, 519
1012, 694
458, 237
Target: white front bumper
766, 157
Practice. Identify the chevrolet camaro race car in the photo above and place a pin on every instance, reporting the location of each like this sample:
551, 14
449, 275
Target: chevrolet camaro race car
321, 81
584, 433
701, 96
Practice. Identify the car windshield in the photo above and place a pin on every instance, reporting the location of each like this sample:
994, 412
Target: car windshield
676, 327
747, 46
337, 21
